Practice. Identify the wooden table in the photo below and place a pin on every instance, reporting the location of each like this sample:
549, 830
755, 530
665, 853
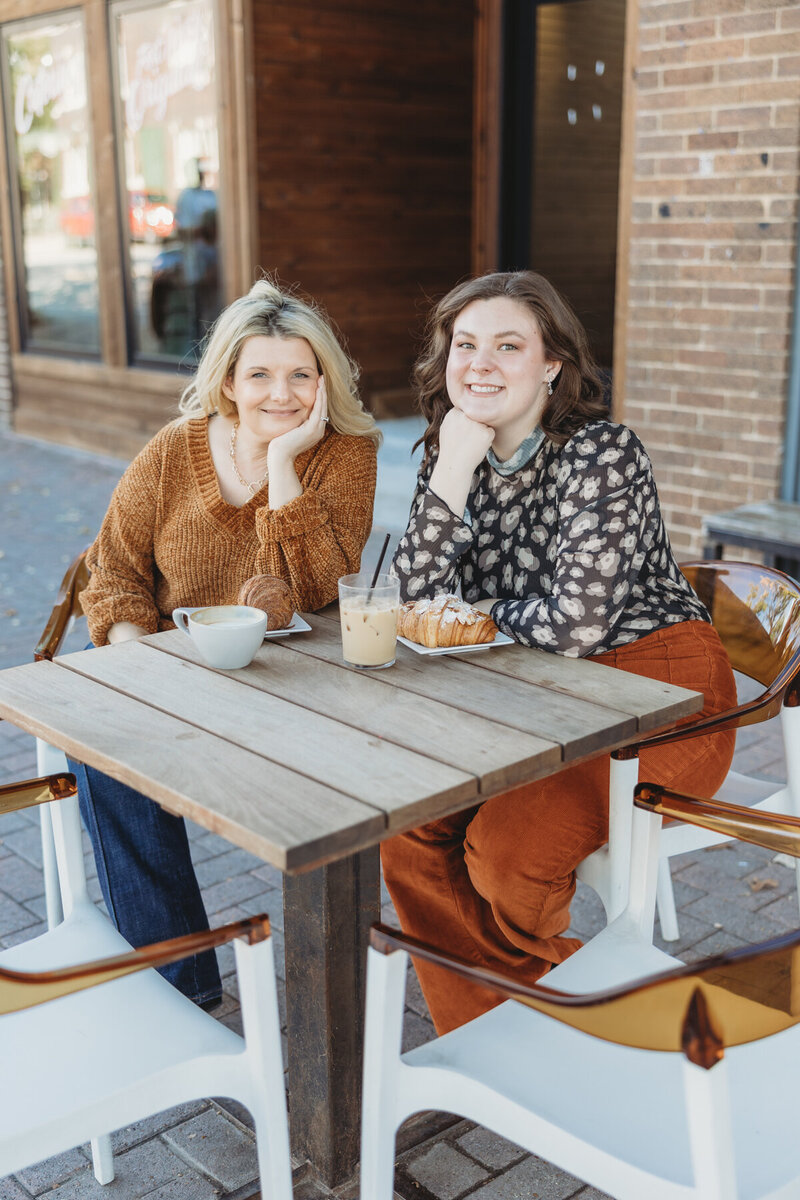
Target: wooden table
309, 764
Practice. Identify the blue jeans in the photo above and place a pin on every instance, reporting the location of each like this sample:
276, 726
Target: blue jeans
146, 875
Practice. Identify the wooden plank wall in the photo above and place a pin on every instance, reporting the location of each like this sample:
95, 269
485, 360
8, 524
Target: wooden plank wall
364, 160
576, 166
110, 410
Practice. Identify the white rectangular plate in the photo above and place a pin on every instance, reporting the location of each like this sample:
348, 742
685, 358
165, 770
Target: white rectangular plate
298, 625
500, 639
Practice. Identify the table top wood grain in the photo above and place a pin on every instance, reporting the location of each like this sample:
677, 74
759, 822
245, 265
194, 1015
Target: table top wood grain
303, 760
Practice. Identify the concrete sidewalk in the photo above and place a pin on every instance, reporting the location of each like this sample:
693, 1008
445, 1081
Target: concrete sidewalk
51, 502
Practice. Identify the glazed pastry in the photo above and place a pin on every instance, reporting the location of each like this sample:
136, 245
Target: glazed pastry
444, 621
272, 595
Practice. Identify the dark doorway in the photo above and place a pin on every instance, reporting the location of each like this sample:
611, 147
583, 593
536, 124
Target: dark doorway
561, 120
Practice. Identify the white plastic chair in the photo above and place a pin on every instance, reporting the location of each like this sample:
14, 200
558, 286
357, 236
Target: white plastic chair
756, 611
92, 1038
676, 1086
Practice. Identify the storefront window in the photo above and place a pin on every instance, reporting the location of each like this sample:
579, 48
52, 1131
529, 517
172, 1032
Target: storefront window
48, 127
170, 173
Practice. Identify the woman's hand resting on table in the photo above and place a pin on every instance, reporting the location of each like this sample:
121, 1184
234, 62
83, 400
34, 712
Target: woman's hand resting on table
284, 449
124, 631
463, 445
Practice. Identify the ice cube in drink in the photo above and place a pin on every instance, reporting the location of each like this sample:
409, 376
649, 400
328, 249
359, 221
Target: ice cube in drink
368, 615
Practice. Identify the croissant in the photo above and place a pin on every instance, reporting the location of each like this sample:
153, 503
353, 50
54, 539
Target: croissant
270, 594
444, 621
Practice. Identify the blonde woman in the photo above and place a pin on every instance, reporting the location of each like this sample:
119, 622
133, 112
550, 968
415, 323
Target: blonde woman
270, 470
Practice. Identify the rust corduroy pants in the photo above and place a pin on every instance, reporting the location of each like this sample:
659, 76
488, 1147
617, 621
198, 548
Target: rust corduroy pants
493, 884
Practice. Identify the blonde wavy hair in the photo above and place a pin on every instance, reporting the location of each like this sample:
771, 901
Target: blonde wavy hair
268, 311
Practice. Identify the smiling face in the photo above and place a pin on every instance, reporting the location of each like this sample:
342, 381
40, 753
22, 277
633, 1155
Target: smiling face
497, 369
274, 385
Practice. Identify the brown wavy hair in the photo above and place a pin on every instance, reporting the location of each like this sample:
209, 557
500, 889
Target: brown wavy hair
578, 393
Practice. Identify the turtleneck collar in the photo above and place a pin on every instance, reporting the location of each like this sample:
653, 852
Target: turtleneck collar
521, 456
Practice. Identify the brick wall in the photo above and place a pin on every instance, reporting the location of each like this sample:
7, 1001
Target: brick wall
5, 365
712, 248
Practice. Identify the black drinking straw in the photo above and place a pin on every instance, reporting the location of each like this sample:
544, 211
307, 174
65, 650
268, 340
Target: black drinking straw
381, 557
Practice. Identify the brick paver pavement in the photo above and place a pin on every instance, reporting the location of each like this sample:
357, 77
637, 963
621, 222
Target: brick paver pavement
52, 500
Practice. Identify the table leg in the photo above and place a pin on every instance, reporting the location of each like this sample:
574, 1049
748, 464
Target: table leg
327, 915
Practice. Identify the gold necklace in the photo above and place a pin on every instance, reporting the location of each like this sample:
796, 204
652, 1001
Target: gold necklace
251, 487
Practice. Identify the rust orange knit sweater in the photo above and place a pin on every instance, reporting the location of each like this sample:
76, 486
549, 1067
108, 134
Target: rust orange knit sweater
169, 539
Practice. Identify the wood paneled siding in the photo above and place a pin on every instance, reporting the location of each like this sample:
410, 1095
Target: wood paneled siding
364, 159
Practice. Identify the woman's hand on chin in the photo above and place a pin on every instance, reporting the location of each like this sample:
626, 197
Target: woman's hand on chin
463, 444
284, 486
462, 441
286, 447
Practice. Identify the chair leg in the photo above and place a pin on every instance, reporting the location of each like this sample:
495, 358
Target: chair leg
790, 726
386, 989
710, 1131
622, 780
665, 902
103, 1158
52, 888
645, 841
50, 761
255, 967
274, 1161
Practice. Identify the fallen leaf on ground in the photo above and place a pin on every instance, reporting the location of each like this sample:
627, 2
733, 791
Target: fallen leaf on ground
758, 885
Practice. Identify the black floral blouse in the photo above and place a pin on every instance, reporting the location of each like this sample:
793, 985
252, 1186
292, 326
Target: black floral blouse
572, 543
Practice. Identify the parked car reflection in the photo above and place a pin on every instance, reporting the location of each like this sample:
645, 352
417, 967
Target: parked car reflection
150, 218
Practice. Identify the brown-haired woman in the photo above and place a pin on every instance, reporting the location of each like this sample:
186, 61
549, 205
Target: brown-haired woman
545, 513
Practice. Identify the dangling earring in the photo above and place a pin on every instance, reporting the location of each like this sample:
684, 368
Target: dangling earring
549, 386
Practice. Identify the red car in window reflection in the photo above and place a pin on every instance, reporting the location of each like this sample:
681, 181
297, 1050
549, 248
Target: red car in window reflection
150, 217
77, 218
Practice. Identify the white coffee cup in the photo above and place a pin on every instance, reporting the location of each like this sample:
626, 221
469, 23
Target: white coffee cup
227, 635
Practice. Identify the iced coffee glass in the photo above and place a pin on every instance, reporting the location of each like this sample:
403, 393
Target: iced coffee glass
369, 620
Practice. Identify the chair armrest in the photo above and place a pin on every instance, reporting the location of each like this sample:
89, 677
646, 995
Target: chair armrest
24, 989
761, 708
28, 792
682, 1009
773, 831
66, 606
385, 940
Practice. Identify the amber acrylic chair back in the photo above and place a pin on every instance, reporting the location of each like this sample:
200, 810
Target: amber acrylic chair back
65, 609
756, 611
